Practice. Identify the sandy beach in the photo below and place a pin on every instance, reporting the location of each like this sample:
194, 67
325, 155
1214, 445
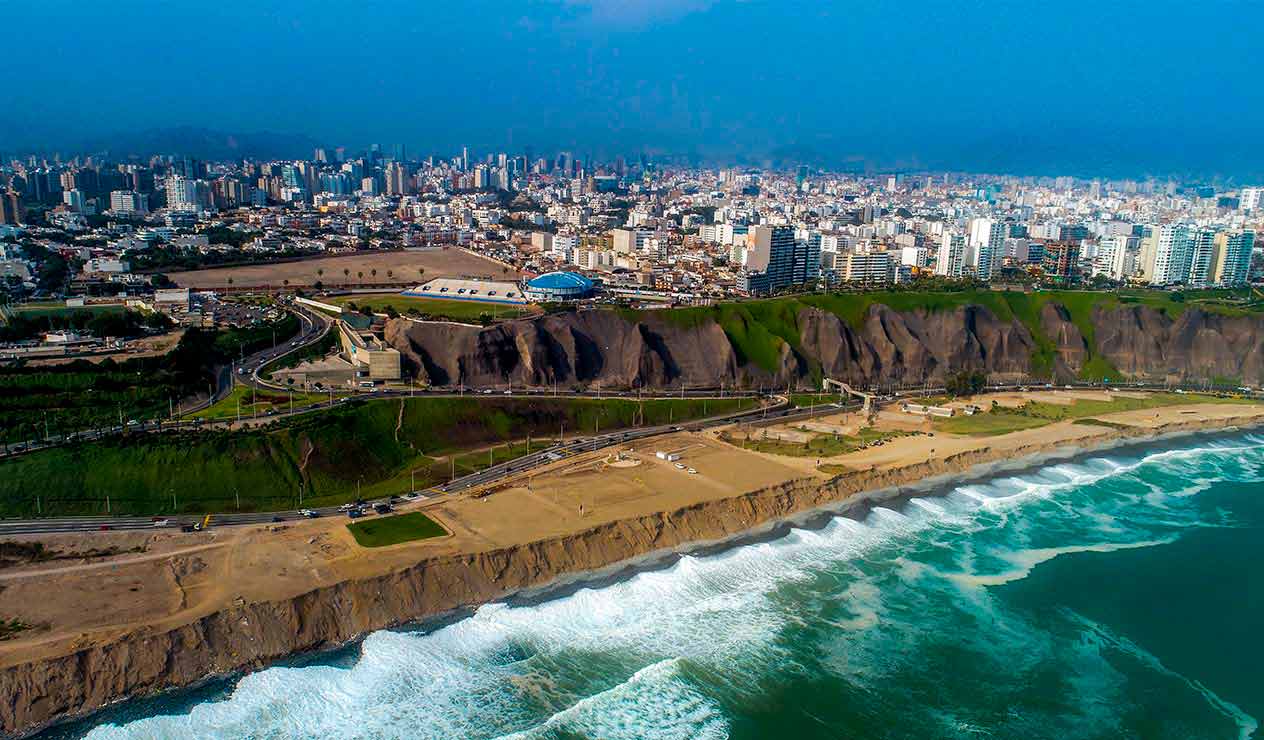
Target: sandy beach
170, 609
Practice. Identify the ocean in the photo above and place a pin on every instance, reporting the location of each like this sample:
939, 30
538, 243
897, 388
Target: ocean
1119, 595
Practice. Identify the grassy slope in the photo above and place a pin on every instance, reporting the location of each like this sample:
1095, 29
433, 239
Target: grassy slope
758, 330
356, 442
259, 403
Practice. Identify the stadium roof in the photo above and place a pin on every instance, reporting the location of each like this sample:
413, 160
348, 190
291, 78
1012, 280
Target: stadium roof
561, 281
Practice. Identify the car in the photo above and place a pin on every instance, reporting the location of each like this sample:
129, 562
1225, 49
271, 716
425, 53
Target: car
487, 392
161, 523
105, 528
346, 507
276, 519
680, 466
307, 513
132, 422
354, 513
382, 508
693, 471
507, 393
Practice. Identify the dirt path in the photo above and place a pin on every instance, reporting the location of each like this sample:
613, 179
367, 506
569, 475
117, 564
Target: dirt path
110, 563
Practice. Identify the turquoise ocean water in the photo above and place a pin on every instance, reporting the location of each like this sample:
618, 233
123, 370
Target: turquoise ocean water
1116, 596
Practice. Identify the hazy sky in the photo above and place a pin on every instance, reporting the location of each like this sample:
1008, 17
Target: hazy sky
1031, 86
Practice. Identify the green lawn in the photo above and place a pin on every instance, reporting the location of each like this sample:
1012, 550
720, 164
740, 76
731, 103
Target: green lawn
59, 308
988, 424
435, 308
820, 445
251, 403
392, 530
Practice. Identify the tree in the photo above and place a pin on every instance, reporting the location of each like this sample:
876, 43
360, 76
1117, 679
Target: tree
286, 282
360, 274
230, 281
346, 272
390, 273
373, 272
965, 383
320, 272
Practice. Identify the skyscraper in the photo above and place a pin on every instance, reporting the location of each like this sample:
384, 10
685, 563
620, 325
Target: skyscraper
987, 245
1202, 252
1173, 251
1232, 262
11, 208
950, 261
776, 260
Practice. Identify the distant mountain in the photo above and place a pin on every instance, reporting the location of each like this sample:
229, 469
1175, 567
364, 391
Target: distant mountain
203, 143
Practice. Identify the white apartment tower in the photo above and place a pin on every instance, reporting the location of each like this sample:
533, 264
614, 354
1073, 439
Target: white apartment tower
987, 244
1173, 252
952, 255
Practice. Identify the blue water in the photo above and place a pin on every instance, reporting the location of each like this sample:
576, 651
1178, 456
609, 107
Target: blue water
1119, 596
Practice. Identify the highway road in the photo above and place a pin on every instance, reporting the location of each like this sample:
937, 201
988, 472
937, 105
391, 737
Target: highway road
780, 412
569, 448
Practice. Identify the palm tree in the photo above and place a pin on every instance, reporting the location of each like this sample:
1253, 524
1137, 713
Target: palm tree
320, 272
360, 275
390, 274
421, 271
346, 272
230, 281
373, 272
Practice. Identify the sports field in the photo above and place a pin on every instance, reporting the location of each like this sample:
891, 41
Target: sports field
402, 268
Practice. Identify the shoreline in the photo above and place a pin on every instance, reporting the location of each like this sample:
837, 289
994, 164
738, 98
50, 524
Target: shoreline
145, 664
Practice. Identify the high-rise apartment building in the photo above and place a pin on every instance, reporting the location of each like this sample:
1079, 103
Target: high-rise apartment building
951, 259
11, 211
1231, 263
1203, 245
128, 202
776, 260
987, 246
1251, 199
1172, 253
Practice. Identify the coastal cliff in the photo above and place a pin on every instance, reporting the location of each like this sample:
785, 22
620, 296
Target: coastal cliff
793, 344
247, 636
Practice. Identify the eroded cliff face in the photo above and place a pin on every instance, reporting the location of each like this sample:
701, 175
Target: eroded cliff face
912, 347
1141, 341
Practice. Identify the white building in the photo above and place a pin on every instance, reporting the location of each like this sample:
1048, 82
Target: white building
1250, 199
987, 244
1173, 251
951, 260
128, 202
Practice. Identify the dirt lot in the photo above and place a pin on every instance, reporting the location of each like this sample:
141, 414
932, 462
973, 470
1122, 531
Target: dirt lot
404, 267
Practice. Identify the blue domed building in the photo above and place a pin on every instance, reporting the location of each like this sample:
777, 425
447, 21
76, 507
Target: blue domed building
559, 286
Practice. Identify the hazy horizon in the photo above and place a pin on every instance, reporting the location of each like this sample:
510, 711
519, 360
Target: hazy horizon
1076, 88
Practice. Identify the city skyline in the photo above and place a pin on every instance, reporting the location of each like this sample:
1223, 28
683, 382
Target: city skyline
1108, 91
